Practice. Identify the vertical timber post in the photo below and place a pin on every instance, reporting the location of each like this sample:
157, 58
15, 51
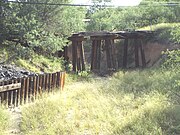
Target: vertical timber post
82, 56
78, 58
114, 60
142, 55
96, 53
92, 55
108, 53
136, 49
125, 53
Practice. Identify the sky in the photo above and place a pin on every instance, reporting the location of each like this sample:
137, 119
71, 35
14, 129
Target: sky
114, 2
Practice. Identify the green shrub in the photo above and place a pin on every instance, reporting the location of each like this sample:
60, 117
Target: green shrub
4, 121
172, 59
175, 33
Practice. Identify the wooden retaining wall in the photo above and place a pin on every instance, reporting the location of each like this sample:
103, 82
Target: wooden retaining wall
24, 90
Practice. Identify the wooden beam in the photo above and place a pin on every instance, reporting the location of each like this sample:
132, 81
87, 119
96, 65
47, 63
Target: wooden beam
10, 87
97, 37
77, 38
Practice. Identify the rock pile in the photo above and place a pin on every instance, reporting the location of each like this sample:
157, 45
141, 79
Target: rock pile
9, 72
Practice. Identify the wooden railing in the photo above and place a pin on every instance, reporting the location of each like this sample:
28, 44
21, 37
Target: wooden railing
24, 90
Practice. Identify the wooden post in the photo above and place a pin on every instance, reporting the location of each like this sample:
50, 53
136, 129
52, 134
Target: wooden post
58, 79
65, 53
114, 60
40, 84
96, 53
136, 49
92, 55
7, 95
37, 86
82, 56
30, 88
11, 95
63, 75
27, 90
77, 52
125, 53
142, 55
108, 54
79, 58
50, 82
34, 87
46, 82
95, 56
52, 85
19, 93
2, 94
23, 82
15, 95
55, 80
99, 54
74, 55
43, 83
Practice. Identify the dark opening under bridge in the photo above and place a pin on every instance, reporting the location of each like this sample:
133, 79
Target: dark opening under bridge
106, 41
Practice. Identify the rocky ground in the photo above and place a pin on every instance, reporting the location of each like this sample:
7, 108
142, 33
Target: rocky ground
9, 72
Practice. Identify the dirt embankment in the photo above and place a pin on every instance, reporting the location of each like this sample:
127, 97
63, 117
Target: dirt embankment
153, 52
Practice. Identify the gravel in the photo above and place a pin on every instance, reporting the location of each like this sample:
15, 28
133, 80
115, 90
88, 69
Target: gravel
10, 72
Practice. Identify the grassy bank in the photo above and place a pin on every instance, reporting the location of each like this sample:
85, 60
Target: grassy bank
4, 121
29, 60
166, 32
133, 102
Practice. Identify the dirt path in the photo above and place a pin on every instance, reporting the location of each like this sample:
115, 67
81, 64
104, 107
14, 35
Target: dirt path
15, 120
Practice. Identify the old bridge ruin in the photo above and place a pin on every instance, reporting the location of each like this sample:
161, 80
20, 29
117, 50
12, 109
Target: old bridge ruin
105, 41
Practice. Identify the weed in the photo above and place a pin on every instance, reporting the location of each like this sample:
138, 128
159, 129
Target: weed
132, 102
4, 121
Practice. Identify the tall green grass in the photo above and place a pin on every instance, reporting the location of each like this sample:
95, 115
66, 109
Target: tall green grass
40, 63
128, 103
26, 58
4, 121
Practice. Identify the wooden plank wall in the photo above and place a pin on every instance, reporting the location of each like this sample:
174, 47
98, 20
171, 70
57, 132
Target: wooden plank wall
26, 90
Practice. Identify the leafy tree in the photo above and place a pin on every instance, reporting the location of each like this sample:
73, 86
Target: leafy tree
41, 27
174, 9
102, 20
132, 17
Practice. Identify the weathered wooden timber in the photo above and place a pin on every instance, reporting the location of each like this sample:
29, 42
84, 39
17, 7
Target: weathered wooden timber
97, 38
25, 90
78, 58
